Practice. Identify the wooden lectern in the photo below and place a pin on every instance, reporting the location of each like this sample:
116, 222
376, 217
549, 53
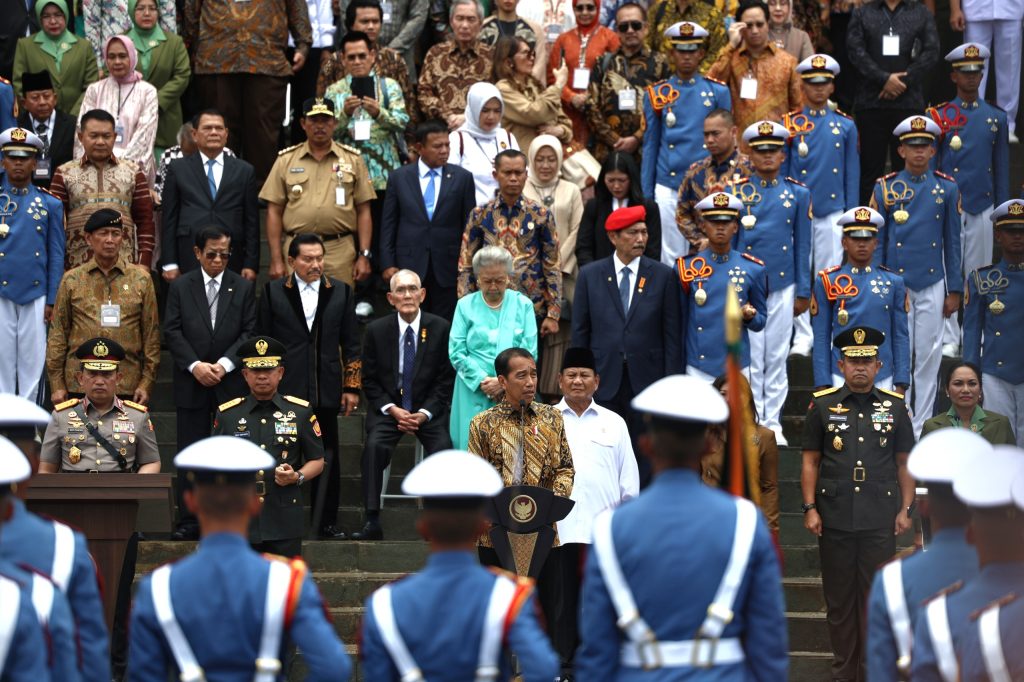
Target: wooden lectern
104, 507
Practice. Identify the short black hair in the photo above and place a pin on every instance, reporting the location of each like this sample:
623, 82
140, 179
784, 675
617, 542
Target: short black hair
355, 37
302, 239
508, 154
954, 367
431, 126
350, 11
504, 359
210, 111
210, 233
621, 162
96, 115
724, 114
752, 4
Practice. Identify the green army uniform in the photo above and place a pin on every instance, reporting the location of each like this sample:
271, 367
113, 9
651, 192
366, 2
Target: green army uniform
126, 426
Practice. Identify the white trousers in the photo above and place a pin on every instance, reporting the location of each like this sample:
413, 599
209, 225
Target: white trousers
673, 243
769, 349
925, 322
838, 380
826, 251
1003, 39
977, 241
23, 337
1006, 399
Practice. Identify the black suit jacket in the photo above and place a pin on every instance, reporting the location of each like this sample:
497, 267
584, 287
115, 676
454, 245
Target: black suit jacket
190, 338
16, 15
313, 360
188, 208
408, 239
592, 241
433, 376
62, 141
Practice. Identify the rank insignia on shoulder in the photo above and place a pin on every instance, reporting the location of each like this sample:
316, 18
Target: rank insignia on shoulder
350, 148
65, 405
288, 149
795, 181
825, 391
829, 270
886, 391
297, 401
752, 258
715, 80
229, 404
316, 425
843, 114
887, 177
944, 176
137, 406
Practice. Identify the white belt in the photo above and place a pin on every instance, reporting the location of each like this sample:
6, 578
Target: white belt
63, 555
690, 653
10, 597
899, 616
992, 646
942, 639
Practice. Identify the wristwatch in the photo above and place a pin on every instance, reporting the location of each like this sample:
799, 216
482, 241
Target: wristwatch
366, 253
911, 508
302, 479
808, 506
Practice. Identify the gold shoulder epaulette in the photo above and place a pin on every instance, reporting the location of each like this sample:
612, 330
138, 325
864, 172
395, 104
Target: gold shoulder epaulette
944, 176
4, 80
843, 114
289, 149
43, 189
229, 404
825, 391
886, 177
752, 258
350, 149
795, 181
886, 391
829, 270
137, 406
297, 401
715, 80
65, 405
882, 267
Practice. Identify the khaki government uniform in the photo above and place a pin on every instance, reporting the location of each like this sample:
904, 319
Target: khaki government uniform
308, 190
126, 426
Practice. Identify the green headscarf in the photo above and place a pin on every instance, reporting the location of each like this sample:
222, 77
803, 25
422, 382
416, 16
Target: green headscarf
55, 47
144, 40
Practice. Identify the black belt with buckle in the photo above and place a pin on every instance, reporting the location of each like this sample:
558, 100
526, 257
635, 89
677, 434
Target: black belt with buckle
333, 237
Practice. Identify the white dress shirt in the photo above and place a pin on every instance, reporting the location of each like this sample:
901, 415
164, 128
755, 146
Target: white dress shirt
402, 326
634, 269
224, 362
423, 169
606, 469
309, 293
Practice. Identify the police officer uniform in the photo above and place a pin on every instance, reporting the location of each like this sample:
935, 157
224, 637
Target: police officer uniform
846, 296
454, 619
993, 318
944, 628
662, 584
226, 612
858, 438
674, 112
776, 228
321, 196
81, 438
903, 584
706, 278
31, 266
49, 546
286, 428
921, 242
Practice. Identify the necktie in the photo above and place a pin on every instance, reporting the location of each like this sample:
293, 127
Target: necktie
42, 131
408, 363
211, 300
624, 289
210, 179
428, 196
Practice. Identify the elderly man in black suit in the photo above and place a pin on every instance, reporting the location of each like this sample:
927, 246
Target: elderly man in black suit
408, 381
210, 188
55, 128
314, 315
210, 311
425, 211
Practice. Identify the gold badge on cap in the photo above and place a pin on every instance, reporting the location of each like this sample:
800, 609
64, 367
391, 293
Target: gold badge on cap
100, 350
19, 135
722, 201
862, 215
1015, 209
261, 347
972, 51
918, 124
765, 128
686, 29
859, 335
818, 61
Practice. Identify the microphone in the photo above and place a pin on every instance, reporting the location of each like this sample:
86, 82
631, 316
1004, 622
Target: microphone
517, 473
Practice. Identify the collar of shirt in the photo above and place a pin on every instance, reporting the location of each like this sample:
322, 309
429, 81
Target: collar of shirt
564, 408
719, 167
473, 50
634, 267
218, 160
304, 286
769, 50
50, 122
424, 169
116, 405
86, 162
502, 205
977, 419
206, 279
966, 105
619, 203
415, 324
92, 265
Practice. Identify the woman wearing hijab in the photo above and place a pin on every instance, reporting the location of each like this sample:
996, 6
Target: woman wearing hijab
163, 62
580, 49
131, 101
68, 58
476, 142
530, 108
104, 19
563, 199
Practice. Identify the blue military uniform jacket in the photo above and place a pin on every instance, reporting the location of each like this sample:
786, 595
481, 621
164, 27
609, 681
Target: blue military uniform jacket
219, 596
872, 297
61, 650
994, 310
949, 558
656, 536
704, 324
1011, 636
27, 656
993, 582
926, 248
981, 165
669, 150
831, 169
781, 235
32, 253
28, 539
8, 106
440, 612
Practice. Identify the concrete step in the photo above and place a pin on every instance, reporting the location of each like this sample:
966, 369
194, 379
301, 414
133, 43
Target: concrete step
809, 666
803, 595
808, 631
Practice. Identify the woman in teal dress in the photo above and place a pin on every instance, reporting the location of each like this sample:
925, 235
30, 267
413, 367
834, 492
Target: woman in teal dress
486, 322
963, 386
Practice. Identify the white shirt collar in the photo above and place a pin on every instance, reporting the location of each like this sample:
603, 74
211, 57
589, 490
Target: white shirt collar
50, 122
302, 284
415, 324
206, 278
634, 266
424, 169
564, 408
219, 159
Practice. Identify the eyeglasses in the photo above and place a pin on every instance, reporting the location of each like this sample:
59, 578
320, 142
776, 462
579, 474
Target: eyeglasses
586, 8
217, 255
626, 26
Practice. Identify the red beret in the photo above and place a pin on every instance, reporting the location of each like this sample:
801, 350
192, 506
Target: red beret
621, 218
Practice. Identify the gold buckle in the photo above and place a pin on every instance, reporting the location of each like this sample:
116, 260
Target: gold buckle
651, 644
713, 641
261, 488
859, 474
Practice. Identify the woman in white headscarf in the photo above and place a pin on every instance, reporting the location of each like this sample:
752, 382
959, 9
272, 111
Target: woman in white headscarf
476, 142
545, 185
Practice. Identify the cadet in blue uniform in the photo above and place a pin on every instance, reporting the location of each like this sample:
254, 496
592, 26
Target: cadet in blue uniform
454, 620
214, 610
997, 532
994, 311
674, 112
8, 105
975, 152
706, 279
53, 548
776, 228
695, 600
921, 242
31, 263
823, 154
901, 585
860, 293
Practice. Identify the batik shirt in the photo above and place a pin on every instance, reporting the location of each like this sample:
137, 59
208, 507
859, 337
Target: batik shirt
704, 177
665, 13
447, 73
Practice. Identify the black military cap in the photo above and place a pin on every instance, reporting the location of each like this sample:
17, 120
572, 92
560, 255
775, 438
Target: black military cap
262, 352
318, 106
100, 354
859, 342
105, 217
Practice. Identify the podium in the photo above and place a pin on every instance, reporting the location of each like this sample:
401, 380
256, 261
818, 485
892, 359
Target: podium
523, 533
104, 507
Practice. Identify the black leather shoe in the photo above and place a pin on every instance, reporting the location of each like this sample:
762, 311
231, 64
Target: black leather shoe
370, 531
332, 533
185, 533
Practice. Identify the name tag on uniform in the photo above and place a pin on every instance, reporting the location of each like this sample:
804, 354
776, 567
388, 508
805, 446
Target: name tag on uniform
890, 46
110, 315
580, 79
627, 100
242, 434
42, 167
748, 88
361, 129
118, 134
837, 417
339, 196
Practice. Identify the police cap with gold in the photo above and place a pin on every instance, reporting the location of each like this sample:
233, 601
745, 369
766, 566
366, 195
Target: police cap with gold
262, 352
859, 342
766, 136
818, 68
686, 36
861, 221
100, 354
14, 467
222, 460
105, 217
917, 130
719, 207
318, 106
20, 143
453, 479
1009, 215
968, 57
